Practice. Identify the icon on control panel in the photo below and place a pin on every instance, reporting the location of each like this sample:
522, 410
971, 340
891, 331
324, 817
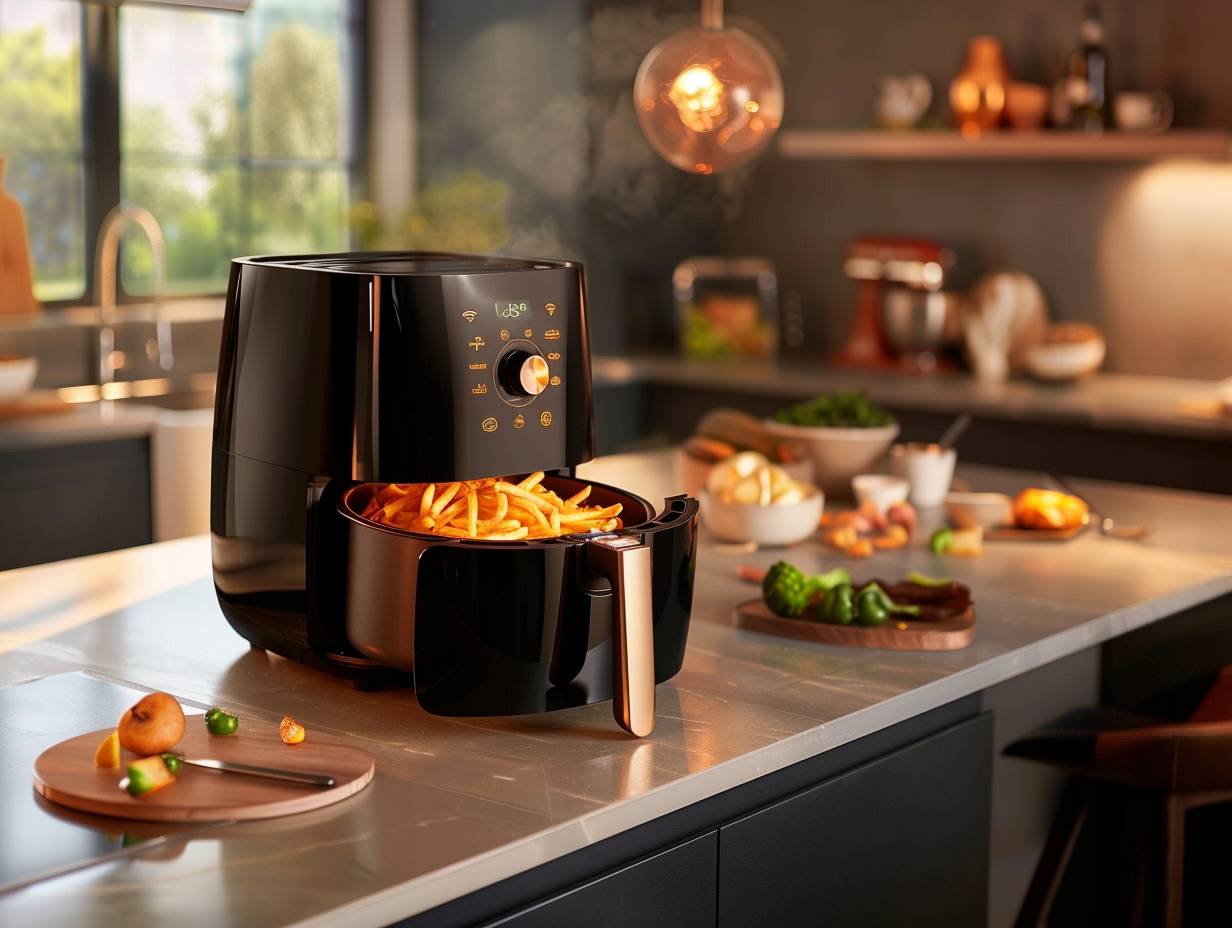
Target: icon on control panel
504, 335
553, 355
545, 418
555, 381
478, 366
528, 333
480, 389
489, 424
550, 308
470, 315
477, 342
518, 421
552, 334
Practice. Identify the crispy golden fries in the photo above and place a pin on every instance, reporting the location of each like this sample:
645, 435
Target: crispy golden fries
492, 509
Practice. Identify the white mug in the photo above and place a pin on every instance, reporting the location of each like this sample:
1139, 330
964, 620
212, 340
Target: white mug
1143, 111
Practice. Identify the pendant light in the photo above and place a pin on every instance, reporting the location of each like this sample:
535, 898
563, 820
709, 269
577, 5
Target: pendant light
708, 98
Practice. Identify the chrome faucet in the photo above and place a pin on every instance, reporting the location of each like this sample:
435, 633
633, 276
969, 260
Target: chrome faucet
106, 257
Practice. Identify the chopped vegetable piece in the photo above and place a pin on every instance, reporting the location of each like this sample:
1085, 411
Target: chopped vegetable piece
925, 580
221, 722
870, 606
108, 753
785, 589
148, 775
967, 542
819, 583
861, 548
291, 731
941, 540
174, 763
835, 607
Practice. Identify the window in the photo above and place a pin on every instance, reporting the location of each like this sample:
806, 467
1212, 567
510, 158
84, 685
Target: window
233, 134
235, 131
40, 137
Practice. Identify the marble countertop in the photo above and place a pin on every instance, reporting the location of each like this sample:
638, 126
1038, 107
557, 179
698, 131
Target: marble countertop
458, 804
1155, 405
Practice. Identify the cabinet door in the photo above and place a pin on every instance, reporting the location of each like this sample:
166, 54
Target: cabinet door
673, 889
902, 840
71, 500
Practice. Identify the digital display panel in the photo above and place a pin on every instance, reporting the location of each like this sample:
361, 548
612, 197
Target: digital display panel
515, 310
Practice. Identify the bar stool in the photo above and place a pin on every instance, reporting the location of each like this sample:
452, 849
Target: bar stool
1180, 765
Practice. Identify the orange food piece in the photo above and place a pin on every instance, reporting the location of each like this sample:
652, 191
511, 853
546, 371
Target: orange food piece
1037, 508
895, 537
862, 548
291, 731
842, 538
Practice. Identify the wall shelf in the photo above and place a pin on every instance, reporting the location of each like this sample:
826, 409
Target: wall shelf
1006, 145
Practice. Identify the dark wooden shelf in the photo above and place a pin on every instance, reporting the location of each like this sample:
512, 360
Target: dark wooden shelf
1005, 145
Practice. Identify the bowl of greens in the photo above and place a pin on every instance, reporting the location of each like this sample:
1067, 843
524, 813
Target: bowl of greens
844, 432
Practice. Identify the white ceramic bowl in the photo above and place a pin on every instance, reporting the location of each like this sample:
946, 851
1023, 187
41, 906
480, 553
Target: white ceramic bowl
839, 454
987, 510
692, 473
881, 490
928, 469
782, 524
17, 373
1065, 361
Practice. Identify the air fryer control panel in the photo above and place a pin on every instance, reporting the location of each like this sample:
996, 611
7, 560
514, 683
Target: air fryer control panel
509, 351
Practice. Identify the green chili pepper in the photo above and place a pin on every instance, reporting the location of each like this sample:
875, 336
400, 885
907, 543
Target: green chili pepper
925, 580
871, 608
834, 606
941, 540
221, 722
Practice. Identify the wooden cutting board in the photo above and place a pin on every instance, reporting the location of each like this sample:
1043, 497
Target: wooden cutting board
1010, 533
65, 774
951, 635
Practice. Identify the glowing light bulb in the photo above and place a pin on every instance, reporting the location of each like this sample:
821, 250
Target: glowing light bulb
708, 99
698, 97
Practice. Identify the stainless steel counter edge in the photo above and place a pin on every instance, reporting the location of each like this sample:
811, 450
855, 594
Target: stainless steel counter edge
452, 882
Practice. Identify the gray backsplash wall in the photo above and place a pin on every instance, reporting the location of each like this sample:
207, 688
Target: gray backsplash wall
1145, 252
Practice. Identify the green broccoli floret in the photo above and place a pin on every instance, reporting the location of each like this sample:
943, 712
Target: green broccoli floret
785, 590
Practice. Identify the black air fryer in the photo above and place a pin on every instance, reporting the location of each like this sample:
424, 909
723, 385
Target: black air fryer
341, 373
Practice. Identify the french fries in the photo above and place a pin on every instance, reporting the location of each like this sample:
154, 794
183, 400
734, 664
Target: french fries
493, 509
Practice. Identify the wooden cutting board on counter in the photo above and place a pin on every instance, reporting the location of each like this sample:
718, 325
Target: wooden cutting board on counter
1012, 533
66, 774
951, 635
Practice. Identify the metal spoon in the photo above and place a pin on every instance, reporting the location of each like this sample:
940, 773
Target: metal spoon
955, 431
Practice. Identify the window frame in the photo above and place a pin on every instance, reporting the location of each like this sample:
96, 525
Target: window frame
100, 137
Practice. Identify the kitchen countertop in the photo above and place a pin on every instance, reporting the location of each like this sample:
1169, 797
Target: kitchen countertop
1110, 401
458, 804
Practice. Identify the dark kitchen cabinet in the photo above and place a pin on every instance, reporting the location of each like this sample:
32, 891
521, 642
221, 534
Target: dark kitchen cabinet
902, 840
71, 500
672, 889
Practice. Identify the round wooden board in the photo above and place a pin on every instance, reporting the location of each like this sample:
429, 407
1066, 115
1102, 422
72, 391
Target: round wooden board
66, 774
951, 635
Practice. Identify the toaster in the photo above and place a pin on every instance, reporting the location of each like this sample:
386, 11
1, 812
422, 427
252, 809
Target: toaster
341, 374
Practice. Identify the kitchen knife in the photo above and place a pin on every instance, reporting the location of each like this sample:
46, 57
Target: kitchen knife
271, 773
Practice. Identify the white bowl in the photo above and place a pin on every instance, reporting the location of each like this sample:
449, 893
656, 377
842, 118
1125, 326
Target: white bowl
928, 468
839, 453
881, 490
987, 510
781, 524
1065, 361
17, 373
692, 473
